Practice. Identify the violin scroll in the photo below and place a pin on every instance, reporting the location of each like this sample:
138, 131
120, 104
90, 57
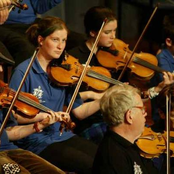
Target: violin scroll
66, 125
15, 3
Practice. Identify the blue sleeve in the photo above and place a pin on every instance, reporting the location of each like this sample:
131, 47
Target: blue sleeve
42, 6
164, 64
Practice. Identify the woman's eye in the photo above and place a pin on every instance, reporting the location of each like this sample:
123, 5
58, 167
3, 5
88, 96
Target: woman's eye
107, 32
55, 40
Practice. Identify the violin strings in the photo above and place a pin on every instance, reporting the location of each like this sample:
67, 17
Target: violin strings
104, 78
29, 101
33, 103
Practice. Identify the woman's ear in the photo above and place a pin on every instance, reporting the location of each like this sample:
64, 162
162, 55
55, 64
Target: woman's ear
168, 42
92, 33
40, 40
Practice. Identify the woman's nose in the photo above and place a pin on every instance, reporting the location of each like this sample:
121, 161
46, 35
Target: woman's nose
113, 34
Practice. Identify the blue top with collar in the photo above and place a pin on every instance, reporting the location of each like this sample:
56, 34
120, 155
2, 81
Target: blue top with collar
49, 95
34, 7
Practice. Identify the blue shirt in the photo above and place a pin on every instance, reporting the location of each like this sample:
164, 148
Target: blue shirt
51, 96
165, 61
34, 7
5, 143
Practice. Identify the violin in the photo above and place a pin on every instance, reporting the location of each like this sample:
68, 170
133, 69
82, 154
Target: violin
68, 73
152, 144
119, 53
27, 105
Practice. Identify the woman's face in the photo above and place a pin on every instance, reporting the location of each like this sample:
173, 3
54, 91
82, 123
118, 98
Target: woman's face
108, 34
53, 45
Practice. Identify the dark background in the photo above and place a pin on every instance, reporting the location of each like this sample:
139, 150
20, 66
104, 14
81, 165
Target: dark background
132, 16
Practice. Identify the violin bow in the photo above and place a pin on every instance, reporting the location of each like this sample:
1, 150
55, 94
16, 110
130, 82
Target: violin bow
135, 47
168, 111
83, 73
18, 91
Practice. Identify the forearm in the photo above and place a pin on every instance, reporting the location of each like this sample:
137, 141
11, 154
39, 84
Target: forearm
152, 92
168, 79
18, 132
86, 109
85, 95
25, 120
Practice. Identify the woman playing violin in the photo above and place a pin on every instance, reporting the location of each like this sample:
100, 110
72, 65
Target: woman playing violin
92, 22
13, 158
68, 151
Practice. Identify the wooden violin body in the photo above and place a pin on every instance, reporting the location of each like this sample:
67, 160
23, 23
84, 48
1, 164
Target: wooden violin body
68, 73
120, 54
21, 106
152, 144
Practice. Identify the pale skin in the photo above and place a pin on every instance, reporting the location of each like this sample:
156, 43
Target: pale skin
91, 95
4, 12
106, 38
18, 132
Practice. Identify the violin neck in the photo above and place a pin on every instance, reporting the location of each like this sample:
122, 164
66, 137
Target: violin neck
33, 103
148, 65
98, 76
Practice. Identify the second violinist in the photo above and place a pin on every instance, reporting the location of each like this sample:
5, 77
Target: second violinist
92, 22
